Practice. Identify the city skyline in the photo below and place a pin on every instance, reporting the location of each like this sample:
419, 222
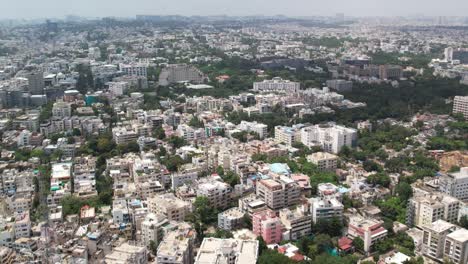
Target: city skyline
27, 9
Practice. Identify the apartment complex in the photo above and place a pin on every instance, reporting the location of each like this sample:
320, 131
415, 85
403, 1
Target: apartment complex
167, 204
279, 193
177, 247
297, 223
227, 251
368, 229
456, 184
127, 253
230, 219
324, 161
288, 135
267, 225
260, 129
134, 69
330, 137
460, 105
277, 85
217, 192
175, 73
424, 209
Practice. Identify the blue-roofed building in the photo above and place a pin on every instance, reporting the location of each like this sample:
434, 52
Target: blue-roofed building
280, 168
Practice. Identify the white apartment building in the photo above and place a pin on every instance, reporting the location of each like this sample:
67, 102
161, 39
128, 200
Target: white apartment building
456, 246
118, 88
460, 105
151, 228
330, 137
288, 135
230, 219
227, 251
180, 178
277, 84
325, 208
324, 161
134, 69
434, 236
61, 109
189, 133
298, 223
177, 247
280, 193
217, 192
259, 128
456, 184
369, 230
167, 204
251, 204
423, 210
22, 225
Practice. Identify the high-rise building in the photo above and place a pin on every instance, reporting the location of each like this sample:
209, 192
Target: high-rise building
297, 223
460, 105
324, 161
181, 73
434, 236
177, 247
276, 85
387, 72
340, 85
288, 135
35, 80
173, 208
230, 219
134, 69
151, 228
424, 209
217, 192
456, 246
448, 54
325, 208
280, 193
455, 184
369, 230
331, 137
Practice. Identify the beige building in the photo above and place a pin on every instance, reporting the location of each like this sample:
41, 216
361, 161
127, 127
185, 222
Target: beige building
456, 246
127, 253
298, 223
173, 208
324, 161
177, 247
434, 238
280, 193
424, 209
152, 228
227, 251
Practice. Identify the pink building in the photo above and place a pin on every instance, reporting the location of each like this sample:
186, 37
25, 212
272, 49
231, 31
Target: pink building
267, 225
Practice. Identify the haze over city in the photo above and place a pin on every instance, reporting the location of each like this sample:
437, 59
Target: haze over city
121, 8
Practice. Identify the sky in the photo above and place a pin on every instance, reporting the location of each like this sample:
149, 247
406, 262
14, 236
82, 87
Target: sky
129, 8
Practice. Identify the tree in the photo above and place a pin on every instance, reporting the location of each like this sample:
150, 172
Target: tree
273, 257
404, 191
464, 221
262, 246
358, 244
195, 122
177, 142
323, 242
153, 247
379, 179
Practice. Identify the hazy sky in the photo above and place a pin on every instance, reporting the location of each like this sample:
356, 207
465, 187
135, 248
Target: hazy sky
60, 8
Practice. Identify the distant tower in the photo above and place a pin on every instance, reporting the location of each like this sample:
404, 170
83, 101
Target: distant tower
448, 54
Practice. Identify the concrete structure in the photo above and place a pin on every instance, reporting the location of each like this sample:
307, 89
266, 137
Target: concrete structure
456, 184
260, 129
151, 228
456, 246
61, 109
267, 225
230, 219
173, 208
227, 251
297, 223
325, 208
288, 135
181, 73
460, 105
276, 85
135, 69
324, 161
369, 230
7, 255
330, 137
177, 247
280, 193
251, 204
425, 209
434, 238
387, 72
127, 253
217, 192
340, 85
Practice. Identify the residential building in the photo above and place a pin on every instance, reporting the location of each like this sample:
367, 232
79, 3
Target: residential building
251, 204
267, 225
180, 178
324, 161
61, 109
230, 219
288, 135
7, 255
181, 73
127, 253
297, 223
424, 209
123, 135
326, 208
278, 193
276, 85
460, 105
456, 246
177, 247
340, 85
227, 251
434, 236
330, 137
260, 129
167, 204
217, 192
134, 69
22, 225
151, 228
368, 229
387, 72
455, 184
